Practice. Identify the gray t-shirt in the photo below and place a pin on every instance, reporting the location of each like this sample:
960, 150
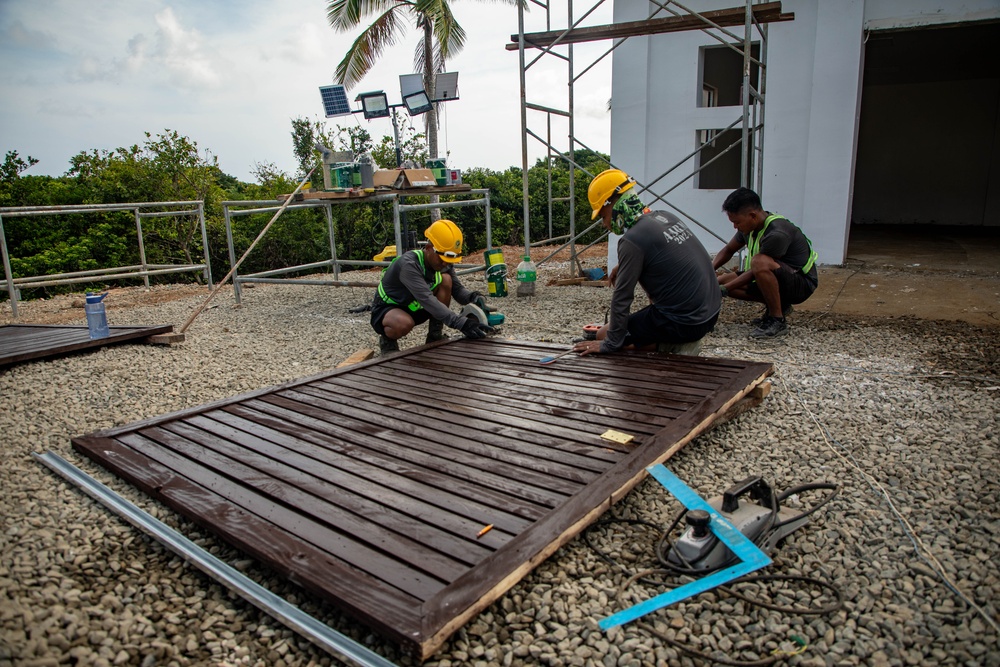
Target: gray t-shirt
661, 254
406, 280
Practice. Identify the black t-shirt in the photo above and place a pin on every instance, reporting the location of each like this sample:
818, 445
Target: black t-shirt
783, 241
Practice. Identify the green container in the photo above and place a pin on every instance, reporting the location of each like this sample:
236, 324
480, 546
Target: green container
496, 272
438, 167
341, 176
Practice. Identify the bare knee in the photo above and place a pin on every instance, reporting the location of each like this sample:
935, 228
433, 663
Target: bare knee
397, 323
762, 263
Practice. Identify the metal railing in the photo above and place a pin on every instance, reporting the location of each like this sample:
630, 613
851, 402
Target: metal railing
233, 209
142, 270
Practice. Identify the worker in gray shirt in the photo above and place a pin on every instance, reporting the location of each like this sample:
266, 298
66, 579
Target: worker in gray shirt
660, 253
418, 287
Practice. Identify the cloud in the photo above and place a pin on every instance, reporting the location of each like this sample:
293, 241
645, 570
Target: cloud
304, 46
188, 62
17, 34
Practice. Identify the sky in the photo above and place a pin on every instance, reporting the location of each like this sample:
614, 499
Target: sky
77, 76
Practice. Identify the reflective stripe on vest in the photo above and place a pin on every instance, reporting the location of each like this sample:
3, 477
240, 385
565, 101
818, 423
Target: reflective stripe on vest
753, 244
414, 305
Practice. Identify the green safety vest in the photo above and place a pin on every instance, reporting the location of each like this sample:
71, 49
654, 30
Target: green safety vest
753, 245
414, 305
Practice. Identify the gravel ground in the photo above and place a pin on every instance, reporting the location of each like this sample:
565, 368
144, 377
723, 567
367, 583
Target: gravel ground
901, 413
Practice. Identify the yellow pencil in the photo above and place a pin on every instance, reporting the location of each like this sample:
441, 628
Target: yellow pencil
484, 531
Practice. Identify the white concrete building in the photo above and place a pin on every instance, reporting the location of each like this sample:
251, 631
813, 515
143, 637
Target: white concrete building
877, 111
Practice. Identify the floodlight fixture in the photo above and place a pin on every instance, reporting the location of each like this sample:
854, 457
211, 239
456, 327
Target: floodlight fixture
374, 105
417, 103
335, 100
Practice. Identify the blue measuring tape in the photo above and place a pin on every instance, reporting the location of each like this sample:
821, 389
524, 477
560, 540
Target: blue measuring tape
751, 558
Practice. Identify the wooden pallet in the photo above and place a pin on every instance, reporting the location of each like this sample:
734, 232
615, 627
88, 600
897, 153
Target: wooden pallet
371, 485
25, 342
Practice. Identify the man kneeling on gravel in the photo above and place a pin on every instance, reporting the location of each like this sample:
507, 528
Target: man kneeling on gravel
780, 265
418, 286
660, 253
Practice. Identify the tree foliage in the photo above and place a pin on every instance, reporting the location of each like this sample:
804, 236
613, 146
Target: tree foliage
170, 167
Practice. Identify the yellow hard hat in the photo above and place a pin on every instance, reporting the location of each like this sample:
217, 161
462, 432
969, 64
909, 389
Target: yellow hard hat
605, 185
446, 238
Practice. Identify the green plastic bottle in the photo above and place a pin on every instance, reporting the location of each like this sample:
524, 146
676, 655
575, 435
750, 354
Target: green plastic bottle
527, 275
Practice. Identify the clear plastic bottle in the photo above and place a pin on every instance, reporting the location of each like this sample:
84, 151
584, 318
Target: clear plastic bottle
527, 275
97, 318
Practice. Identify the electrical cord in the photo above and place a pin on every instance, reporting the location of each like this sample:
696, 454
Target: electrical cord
664, 545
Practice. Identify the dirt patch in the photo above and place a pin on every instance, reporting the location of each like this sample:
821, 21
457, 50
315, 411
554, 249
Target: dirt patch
68, 308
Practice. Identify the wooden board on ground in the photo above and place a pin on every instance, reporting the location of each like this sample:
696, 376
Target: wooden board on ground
372, 485
26, 342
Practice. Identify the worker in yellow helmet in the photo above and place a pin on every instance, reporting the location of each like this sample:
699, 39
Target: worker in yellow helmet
657, 251
418, 287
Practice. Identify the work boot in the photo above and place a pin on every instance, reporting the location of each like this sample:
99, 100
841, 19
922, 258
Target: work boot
770, 327
435, 331
387, 346
785, 312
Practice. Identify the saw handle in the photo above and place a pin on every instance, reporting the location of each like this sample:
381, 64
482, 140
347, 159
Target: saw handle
755, 485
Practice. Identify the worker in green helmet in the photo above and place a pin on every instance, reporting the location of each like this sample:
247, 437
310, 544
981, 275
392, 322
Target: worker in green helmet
779, 268
418, 287
658, 252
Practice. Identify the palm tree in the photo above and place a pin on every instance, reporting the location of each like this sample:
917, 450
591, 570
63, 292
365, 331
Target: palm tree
441, 38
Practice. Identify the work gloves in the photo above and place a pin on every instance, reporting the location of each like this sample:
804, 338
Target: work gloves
479, 300
472, 329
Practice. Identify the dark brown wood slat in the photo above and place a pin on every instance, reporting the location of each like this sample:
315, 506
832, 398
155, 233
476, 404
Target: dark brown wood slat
537, 431
465, 454
312, 435
364, 389
390, 610
484, 442
594, 378
359, 496
27, 342
277, 418
424, 502
560, 412
340, 545
595, 404
633, 366
316, 497
439, 460
589, 448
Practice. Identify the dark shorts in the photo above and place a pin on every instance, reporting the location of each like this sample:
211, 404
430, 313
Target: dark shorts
649, 325
380, 308
794, 286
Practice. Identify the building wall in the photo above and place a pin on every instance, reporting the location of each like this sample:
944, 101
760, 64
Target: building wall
813, 87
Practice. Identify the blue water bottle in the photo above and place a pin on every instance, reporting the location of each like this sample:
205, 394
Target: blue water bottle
97, 318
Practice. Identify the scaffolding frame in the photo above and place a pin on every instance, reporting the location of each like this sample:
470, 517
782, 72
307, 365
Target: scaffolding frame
753, 17
142, 270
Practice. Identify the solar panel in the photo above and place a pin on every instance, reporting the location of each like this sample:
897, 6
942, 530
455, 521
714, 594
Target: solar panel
335, 101
447, 86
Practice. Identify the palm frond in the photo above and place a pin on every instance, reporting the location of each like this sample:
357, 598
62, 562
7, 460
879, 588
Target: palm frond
345, 15
369, 46
450, 36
